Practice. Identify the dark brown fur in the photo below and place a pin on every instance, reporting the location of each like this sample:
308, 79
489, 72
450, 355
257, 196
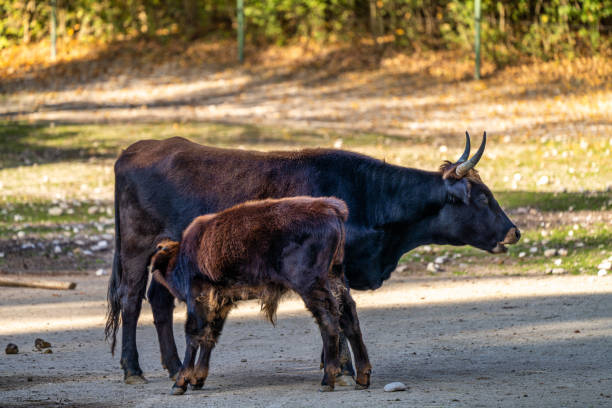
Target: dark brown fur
262, 249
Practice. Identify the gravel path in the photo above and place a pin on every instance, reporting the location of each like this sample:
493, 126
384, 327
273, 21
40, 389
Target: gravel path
512, 341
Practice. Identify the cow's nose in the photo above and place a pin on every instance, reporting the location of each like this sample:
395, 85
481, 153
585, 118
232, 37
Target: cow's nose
512, 236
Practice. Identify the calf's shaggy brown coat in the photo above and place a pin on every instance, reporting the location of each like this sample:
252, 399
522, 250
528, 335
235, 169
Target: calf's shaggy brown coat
262, 249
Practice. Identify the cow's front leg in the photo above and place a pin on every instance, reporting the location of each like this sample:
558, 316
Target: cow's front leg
162, 305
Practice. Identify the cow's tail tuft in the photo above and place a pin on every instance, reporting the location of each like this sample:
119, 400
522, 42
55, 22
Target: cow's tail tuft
113, 312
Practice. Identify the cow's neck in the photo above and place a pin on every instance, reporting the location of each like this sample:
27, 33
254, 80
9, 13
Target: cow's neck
405, 197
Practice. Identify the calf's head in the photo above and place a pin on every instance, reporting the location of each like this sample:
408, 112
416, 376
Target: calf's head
470, 214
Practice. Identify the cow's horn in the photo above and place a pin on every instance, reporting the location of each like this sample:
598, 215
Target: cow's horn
466, 152
463, 168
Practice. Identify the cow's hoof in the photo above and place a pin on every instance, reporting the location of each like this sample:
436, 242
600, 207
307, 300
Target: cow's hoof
345, 381
176, 390
361, 386
326, 388
135, 379
197, 386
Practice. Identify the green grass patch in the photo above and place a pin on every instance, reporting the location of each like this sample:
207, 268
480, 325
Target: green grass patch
42, 218
555, 201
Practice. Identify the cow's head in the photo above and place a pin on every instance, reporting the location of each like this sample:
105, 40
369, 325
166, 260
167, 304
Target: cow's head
470, 214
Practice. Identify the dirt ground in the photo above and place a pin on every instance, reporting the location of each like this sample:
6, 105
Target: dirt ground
455, 341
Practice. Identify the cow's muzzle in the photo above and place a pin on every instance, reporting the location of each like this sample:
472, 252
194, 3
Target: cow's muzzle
512, 237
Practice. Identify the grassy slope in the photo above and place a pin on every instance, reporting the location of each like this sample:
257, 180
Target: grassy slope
70, 166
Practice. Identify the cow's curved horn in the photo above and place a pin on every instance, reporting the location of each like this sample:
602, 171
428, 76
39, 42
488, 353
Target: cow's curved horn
466, 152
463, 168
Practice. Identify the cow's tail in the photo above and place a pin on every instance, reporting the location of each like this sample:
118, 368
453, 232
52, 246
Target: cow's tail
113, 312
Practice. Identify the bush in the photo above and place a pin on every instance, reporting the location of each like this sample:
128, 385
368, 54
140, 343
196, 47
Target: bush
538, 28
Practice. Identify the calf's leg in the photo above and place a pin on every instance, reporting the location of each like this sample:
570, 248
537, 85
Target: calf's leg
208, 341
350, 325
323, 306
193, 326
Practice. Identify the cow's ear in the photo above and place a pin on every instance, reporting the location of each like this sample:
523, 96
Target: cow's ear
458, 190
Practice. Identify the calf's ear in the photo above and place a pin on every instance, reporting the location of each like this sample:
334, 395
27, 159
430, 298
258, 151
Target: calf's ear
458, 190
163, 258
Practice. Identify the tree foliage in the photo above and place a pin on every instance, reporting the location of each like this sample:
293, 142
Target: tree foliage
542, 28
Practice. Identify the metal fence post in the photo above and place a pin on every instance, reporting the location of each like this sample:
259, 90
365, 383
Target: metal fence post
477, 17
240, 11
53, 29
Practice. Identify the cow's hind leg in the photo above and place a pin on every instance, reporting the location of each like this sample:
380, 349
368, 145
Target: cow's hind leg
162, 305
132, 290
322, 304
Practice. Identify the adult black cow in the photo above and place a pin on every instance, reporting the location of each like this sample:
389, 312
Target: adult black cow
160, 186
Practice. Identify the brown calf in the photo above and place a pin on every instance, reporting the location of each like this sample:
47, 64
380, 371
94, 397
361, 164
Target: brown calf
262, 249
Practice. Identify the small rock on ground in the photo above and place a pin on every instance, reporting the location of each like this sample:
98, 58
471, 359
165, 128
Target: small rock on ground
395, 386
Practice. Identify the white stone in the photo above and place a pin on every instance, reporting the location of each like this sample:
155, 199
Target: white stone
533, 250
562, 252
605, 265
395, 386
101, 272
1, 254
57, 249
440, 259
550, 252
338, 144
92, 210
602, 272
100, 246
558, 271
558, 261
87, 252
542, 181
522, 254
55, 211
20, 234
432, 267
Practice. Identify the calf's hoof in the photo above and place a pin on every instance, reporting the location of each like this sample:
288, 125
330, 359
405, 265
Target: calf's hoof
178, 390
197, 386
326, 388
345, 381
361, 386
135, 379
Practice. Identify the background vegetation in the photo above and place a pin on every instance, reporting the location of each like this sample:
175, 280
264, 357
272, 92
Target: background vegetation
539, 28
